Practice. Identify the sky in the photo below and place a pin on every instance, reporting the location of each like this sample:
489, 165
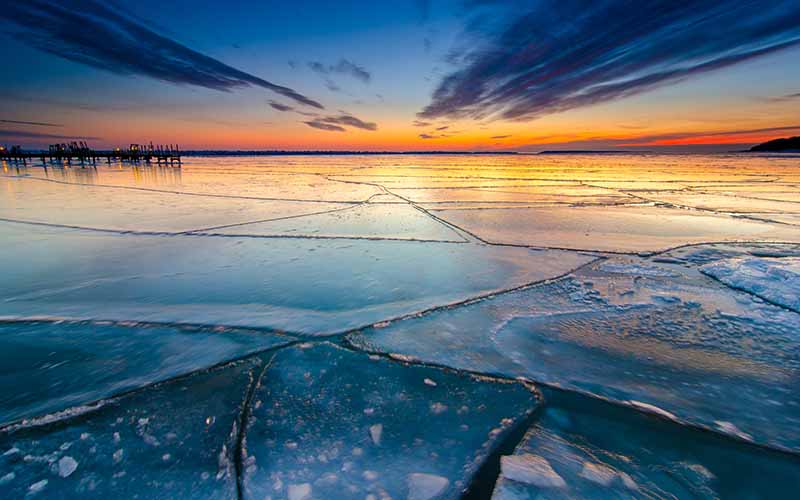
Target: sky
400, 75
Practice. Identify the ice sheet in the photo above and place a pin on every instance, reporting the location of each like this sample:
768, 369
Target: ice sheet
118, 209
174, 440
776, 280
629, 330
618, 229
390, 221
585, 449
327, 422
297, 285
51, 366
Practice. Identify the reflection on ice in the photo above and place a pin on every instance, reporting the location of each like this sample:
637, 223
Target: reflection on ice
390, 220
612, 229
705, 335
303, 286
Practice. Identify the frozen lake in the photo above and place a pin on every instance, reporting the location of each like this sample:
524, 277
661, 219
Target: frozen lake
400, 326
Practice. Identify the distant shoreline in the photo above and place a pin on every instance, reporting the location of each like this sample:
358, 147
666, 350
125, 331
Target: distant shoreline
337, 153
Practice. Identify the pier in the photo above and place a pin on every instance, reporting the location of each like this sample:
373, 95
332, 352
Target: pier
80, 153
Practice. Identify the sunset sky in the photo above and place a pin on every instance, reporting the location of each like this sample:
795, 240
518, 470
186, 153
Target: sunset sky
401, 75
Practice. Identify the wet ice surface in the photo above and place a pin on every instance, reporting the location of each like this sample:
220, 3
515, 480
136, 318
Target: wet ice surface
492, 265
385, 220
67, 364
328, 422
583, 448
296, 285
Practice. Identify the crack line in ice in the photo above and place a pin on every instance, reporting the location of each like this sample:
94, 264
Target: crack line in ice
386, 190
244, 422
632, 405
287, 217
183, 193
92, 406
221, 235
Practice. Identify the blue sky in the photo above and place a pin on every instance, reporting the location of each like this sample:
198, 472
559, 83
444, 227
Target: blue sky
413, 74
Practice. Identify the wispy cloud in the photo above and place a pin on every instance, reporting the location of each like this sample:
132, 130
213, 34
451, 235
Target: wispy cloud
350, 121
25, 134
38, 124
324, 126
420, 123
94, 33
723, 136
343, 67
280, 106
500, 136
726, 138
784, 98
560, 55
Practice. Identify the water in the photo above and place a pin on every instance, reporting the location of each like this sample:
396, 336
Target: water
347, 326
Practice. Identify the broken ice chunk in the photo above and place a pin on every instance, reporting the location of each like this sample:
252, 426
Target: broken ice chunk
595, 450
420, 453
774, 280
530, 469
299, 491
425, 486
376, 432
66, 466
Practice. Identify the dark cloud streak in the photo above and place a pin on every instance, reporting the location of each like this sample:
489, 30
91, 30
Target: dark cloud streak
38, 124
562, 55
324, 126
343, 67
280, 107
96, 34
25, 134
350, 121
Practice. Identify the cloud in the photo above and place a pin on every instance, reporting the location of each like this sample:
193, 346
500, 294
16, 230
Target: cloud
784, 98
324, 126
419, 123
94, 33
350, 121
39, 124
443, 127
343, 67
721, 137
280, 107
434, 136
500, 136
24, 134
557, 56
691, 140
102, 108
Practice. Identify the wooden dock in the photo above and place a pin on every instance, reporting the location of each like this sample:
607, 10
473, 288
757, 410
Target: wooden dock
80, 153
